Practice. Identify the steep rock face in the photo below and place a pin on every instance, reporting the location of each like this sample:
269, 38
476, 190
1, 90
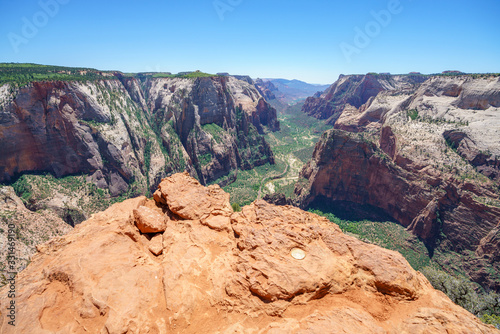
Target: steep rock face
479, 95
465, 103
70, 128
490, 244
354, 90
487, 163
267, 89
218, 120
437, 111
349, 167
134, 90
127, 136
266, 269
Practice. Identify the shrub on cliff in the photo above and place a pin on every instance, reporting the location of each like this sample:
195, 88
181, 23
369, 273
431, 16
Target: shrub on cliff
462, 292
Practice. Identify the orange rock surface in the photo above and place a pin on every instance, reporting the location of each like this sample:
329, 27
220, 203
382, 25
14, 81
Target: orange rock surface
223, 272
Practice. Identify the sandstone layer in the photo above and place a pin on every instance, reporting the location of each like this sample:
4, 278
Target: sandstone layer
218, 121
422, 111
126, 134
215, 271
425, 151
355, 90
346, 167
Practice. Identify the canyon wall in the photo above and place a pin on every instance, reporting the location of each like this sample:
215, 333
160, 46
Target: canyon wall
424, 154
127, 134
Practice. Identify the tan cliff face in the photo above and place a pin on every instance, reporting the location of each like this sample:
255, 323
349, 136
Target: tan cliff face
205, 269
356, 91
124, 132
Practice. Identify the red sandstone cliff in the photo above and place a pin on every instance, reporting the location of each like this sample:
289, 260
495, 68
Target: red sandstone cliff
436, 207
124, 132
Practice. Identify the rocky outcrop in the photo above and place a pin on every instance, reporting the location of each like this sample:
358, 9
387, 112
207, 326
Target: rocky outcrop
388, 142
490, 244
351, 168
149, 221
9, 199
489, 256
266, 269
127, 135
277, 199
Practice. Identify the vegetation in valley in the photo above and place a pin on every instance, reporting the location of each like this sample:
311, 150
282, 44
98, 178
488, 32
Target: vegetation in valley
384, 234
485, 305
245, 189
216, 131
292, 146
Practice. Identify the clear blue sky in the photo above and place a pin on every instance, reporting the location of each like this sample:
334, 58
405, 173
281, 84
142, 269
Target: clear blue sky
273, 38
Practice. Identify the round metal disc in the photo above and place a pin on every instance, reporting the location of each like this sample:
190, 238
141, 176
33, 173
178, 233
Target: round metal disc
298, 254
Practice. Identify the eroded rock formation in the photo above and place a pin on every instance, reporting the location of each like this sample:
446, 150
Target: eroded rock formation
355, 91
26, 229
426, 153
215, 271
126, 131
349, 167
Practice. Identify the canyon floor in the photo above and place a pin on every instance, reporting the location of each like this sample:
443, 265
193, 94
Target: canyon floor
292, 146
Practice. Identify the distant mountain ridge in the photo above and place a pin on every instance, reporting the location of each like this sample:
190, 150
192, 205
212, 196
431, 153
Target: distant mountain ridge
290, 91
